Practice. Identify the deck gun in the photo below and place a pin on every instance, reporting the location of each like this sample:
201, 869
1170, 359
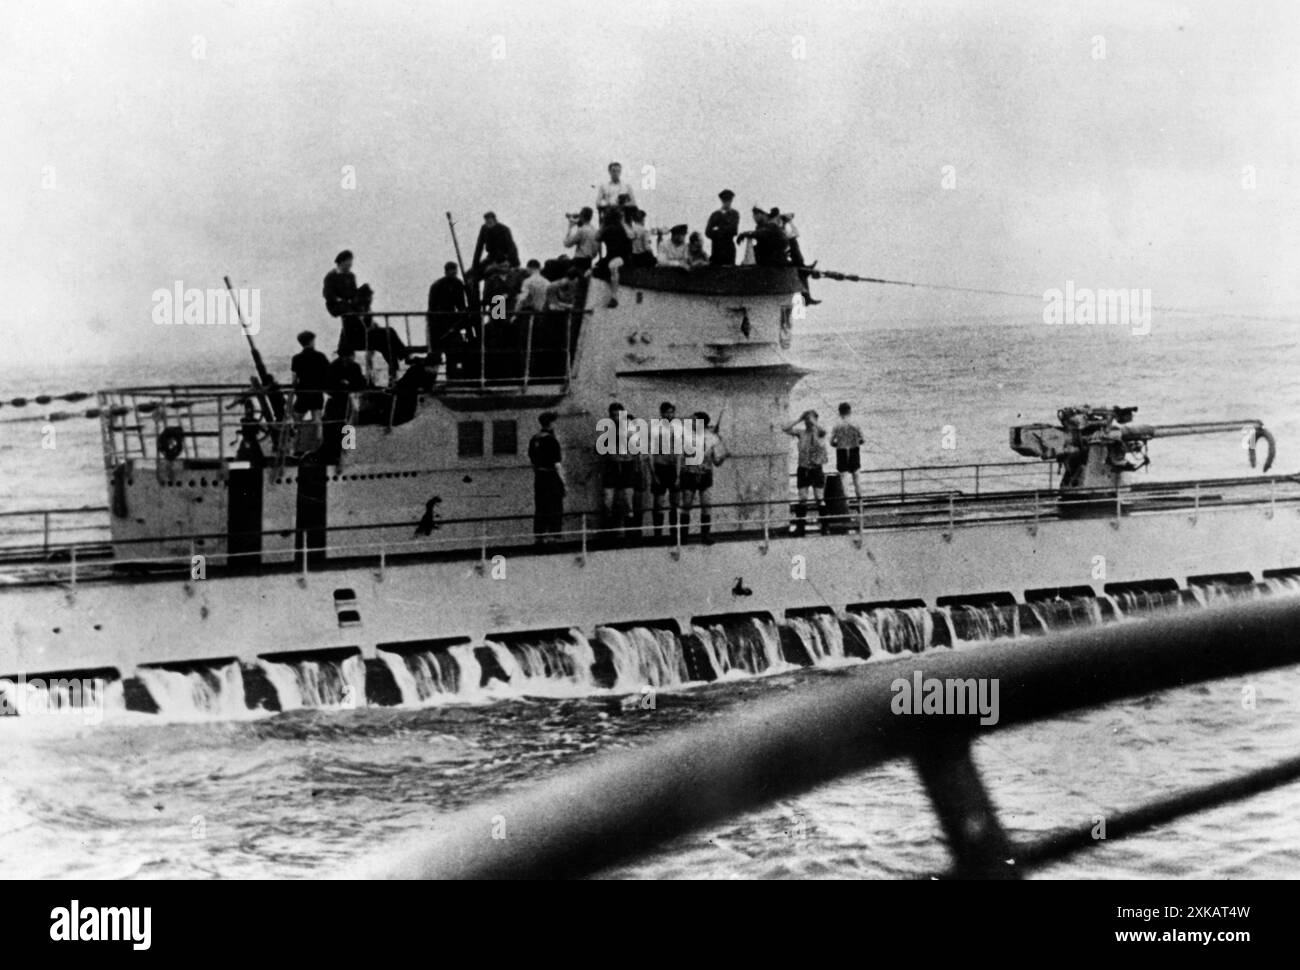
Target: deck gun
1097, 447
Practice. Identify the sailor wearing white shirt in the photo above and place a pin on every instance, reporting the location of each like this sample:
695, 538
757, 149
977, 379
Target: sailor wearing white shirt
615, 192
674, 250
532, 297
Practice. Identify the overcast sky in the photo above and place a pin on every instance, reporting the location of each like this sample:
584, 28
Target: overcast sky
1120, 144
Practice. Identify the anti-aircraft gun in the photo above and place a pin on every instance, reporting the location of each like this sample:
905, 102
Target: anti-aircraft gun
1099, 448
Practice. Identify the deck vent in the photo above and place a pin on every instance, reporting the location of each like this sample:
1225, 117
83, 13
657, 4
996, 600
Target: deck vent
1059, 593
1222, 579
977, 599
1142, 586
885, 605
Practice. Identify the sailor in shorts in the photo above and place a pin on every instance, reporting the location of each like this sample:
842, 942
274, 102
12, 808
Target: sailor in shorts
812, 457
847, 440
697, 480
617, 479
665, 465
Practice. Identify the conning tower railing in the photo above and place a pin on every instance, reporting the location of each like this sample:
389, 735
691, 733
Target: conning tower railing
488, 350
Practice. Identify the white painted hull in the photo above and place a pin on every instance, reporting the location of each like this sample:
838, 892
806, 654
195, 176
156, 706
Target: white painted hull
122, 624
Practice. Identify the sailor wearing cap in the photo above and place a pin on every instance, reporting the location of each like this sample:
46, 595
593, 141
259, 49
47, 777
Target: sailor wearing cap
721, 230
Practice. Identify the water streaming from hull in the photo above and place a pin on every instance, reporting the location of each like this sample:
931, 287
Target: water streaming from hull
632, 659
645, 657
741, 647
317, 683
822, 635
202, 691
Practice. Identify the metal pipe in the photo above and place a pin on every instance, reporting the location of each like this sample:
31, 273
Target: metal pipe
622, 804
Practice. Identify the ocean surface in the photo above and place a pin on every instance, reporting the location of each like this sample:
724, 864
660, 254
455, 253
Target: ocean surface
206, 788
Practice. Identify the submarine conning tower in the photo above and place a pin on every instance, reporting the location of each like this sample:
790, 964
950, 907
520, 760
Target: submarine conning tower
713, 339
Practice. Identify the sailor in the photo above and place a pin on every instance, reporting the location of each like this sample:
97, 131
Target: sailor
448, 306
642, 251
501, 341
615, 236
311, 370
673, 251
496, 245
561, 294
532, 294
786, 221
380, 337
614, 194
641, 476
810, 478
665, 466
343, 379
768, 238
548, 481
697, 480
551, 345
695, 254
583, 237
847, 440
617, 474
340, 292
721, 230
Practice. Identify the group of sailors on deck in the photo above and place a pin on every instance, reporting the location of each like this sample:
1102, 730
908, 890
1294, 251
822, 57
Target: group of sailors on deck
651, 469
603, 239
655, 472
612, 234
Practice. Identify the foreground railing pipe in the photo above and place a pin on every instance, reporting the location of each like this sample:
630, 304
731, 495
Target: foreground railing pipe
623, 804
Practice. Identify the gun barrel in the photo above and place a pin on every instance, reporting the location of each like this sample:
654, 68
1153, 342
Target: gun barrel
1200, 427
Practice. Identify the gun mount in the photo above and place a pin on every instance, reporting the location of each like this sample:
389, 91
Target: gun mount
1099, 447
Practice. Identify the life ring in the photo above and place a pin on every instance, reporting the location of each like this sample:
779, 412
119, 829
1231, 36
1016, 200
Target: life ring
171, 442
1262, 432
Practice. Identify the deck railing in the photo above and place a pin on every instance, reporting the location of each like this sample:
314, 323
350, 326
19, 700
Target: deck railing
625, 805
524, 353
385, 543
43, 531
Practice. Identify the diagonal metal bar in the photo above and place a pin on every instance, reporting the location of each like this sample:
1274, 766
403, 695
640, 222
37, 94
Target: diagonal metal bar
1062, 844
980, 847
